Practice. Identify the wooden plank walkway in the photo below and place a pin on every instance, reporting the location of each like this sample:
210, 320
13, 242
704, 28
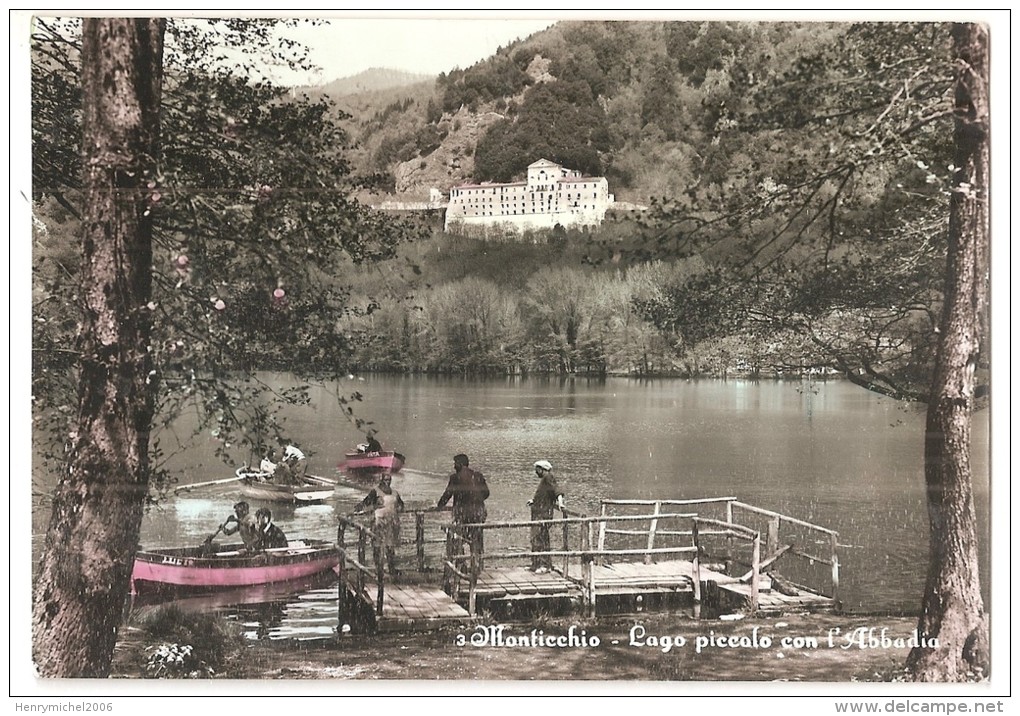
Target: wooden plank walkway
517, 581
423, 606
638, 578
414, 606
772, 602
633, 578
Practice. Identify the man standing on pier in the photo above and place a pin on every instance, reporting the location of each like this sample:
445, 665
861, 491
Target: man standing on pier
547, 496
388, 505
469, 491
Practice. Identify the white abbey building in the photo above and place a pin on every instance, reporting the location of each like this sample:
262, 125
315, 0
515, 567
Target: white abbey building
552, 195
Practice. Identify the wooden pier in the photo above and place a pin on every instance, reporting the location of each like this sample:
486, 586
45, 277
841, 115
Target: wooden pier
635, 555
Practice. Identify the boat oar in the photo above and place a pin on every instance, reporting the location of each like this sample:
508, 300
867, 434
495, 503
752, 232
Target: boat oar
210, 538
321, 480
188, 488
207, 545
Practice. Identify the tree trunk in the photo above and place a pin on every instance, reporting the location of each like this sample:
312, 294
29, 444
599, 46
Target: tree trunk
83, 576
952, 609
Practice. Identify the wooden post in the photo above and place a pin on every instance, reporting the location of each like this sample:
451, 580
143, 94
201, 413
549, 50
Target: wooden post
586, 565
566, 543
380, 572
590, 584
652, 526
696, 563
361, 561
772, 541
419, 539
834, 540
729, 536
454, 545
602, 532
447, 574
342, 608
755, 569
728, 557
472, 583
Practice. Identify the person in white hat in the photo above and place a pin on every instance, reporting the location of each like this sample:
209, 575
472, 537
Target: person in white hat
547, 496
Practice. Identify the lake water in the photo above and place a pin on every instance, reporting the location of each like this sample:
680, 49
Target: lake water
826, 452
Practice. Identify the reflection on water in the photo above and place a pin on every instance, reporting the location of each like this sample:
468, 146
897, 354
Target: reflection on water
829, 453
303, 609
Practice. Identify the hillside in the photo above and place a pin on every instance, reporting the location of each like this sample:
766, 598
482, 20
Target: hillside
650, 105
371, 80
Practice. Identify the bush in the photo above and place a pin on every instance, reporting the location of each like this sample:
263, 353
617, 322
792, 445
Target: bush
186, 645
173, 661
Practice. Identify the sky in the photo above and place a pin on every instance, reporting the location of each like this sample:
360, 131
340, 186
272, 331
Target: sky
347, 46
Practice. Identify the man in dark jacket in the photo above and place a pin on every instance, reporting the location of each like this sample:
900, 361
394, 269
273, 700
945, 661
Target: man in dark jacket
469, 491
547, 496
269, 535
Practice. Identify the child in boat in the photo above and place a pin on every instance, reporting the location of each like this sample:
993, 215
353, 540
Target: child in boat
269, 535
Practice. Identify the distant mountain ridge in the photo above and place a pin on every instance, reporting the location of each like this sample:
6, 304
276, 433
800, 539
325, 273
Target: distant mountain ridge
372, 79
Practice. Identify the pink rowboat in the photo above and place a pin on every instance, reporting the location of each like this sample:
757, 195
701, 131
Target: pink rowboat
374, 462
198, 568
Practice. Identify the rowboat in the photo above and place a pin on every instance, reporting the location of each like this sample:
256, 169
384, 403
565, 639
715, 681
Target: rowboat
372, 462
228, 566
258, 485
211, 600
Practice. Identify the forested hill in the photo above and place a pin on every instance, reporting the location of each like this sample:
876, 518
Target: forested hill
372, 79
651, 105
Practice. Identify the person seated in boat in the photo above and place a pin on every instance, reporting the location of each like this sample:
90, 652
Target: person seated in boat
371, 444
291, 469
267, 466
244, 522
269, 535
296, 462
388, 505
293, 452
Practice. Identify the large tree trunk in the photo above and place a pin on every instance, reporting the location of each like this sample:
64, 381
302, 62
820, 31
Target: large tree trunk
86, 565
953, 610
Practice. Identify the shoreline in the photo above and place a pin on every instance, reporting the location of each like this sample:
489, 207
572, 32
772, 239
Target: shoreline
813, 648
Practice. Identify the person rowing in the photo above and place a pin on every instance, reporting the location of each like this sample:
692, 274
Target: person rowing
242, 521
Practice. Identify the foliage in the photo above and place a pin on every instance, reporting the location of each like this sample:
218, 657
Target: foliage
187, 645
559, 121
174, 661
499, 307
254, 228
839, 240
498, 76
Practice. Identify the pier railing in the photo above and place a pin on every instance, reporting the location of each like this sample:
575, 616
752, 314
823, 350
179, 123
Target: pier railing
703, 531
361, 575
753, 538
355, 557
578, 549
801, 545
